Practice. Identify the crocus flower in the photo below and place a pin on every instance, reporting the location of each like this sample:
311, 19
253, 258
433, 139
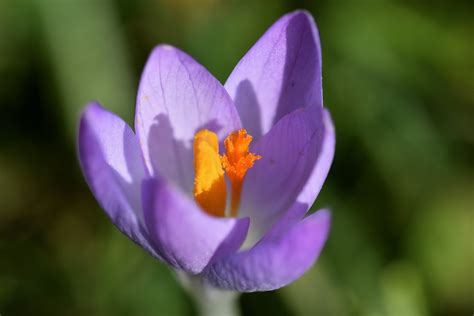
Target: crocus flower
216, 180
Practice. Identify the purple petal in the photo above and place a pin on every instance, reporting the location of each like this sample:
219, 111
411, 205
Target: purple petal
289, 154
321, 168
277, 260
112, 165
279, 74
187, 237
177, 97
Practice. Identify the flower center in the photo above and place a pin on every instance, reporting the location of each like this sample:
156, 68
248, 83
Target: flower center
209, 183
237, 161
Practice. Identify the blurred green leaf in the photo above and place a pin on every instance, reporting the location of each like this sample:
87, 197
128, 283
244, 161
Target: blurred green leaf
88, 55
403, 291
441, 242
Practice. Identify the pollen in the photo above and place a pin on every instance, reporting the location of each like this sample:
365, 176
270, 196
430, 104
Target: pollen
209, 182
237, 161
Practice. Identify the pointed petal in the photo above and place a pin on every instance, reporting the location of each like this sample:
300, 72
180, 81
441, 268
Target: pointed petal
279, 74
277, 260
112, 165
187, 237
289, 153
178, 97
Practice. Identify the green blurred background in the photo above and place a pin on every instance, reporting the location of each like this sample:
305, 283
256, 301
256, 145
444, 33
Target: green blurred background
398, 79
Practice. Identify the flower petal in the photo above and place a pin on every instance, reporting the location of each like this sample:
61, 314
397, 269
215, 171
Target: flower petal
178, 97
112, 165
289, 154
279, 74
277, 260
187, 237
321, 168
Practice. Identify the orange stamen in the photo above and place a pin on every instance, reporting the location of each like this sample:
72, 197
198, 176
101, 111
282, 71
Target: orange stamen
237, 161
209, 182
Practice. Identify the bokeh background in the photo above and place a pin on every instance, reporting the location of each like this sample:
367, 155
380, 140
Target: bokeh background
398, 79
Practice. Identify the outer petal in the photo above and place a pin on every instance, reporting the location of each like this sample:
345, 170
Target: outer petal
276, 260
290, 151
177, 97
112, 165
321, 168
187, 237
280, 73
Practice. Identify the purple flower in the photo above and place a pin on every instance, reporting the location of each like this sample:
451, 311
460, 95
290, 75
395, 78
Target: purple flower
149, 182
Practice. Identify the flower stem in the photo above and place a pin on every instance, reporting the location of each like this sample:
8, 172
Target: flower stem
209, 301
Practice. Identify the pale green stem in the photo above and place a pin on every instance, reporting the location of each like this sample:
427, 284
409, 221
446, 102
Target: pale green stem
209, 301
